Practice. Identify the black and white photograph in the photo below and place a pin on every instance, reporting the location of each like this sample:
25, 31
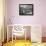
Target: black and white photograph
25, 9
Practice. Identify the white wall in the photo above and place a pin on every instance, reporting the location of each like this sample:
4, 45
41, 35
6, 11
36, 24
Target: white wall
39, 16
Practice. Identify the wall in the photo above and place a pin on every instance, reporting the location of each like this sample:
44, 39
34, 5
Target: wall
39, 16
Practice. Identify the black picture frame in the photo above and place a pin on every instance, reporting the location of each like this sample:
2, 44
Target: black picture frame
26, 9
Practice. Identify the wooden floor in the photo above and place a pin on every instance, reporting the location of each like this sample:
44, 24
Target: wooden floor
18, 43
23, 43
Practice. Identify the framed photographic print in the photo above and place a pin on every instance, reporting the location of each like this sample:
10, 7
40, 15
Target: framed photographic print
25, 9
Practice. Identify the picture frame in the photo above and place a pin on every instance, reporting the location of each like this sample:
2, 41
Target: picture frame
26, 9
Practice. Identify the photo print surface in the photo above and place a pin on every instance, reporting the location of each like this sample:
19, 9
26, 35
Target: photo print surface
25, 9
